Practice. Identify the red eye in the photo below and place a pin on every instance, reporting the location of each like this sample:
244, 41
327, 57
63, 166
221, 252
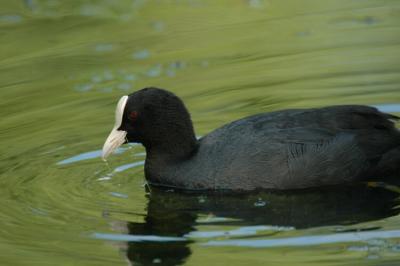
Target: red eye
133, 115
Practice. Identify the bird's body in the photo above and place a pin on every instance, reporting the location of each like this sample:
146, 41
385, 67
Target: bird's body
283, 150
290, 149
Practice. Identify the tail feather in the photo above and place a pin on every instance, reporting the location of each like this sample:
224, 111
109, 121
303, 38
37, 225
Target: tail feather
389, 164
390, 116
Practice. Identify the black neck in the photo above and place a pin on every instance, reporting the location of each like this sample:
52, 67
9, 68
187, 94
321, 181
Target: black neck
177, 148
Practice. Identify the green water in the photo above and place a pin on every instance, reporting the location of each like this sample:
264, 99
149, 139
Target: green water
64, 65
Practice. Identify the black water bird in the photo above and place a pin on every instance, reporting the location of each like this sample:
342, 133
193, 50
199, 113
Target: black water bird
289, 149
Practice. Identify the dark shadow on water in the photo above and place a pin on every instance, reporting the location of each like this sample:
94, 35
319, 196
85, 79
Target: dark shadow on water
173, 214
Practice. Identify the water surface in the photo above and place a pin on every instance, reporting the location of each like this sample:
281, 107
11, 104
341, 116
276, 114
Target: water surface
64, 65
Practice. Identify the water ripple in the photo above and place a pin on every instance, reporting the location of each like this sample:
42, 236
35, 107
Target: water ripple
91, 155
388, 108
136, 238
308, 240
242, 231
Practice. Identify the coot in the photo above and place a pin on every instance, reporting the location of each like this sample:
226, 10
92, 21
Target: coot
289, 149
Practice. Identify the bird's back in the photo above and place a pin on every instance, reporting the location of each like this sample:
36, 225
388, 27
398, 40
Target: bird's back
294, 149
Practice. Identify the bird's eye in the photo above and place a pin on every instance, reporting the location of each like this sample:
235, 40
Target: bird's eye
133, 116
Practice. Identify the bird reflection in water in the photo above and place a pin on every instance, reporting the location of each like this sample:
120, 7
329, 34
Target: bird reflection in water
177, 215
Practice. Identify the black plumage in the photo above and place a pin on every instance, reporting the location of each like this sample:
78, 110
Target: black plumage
289, 149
